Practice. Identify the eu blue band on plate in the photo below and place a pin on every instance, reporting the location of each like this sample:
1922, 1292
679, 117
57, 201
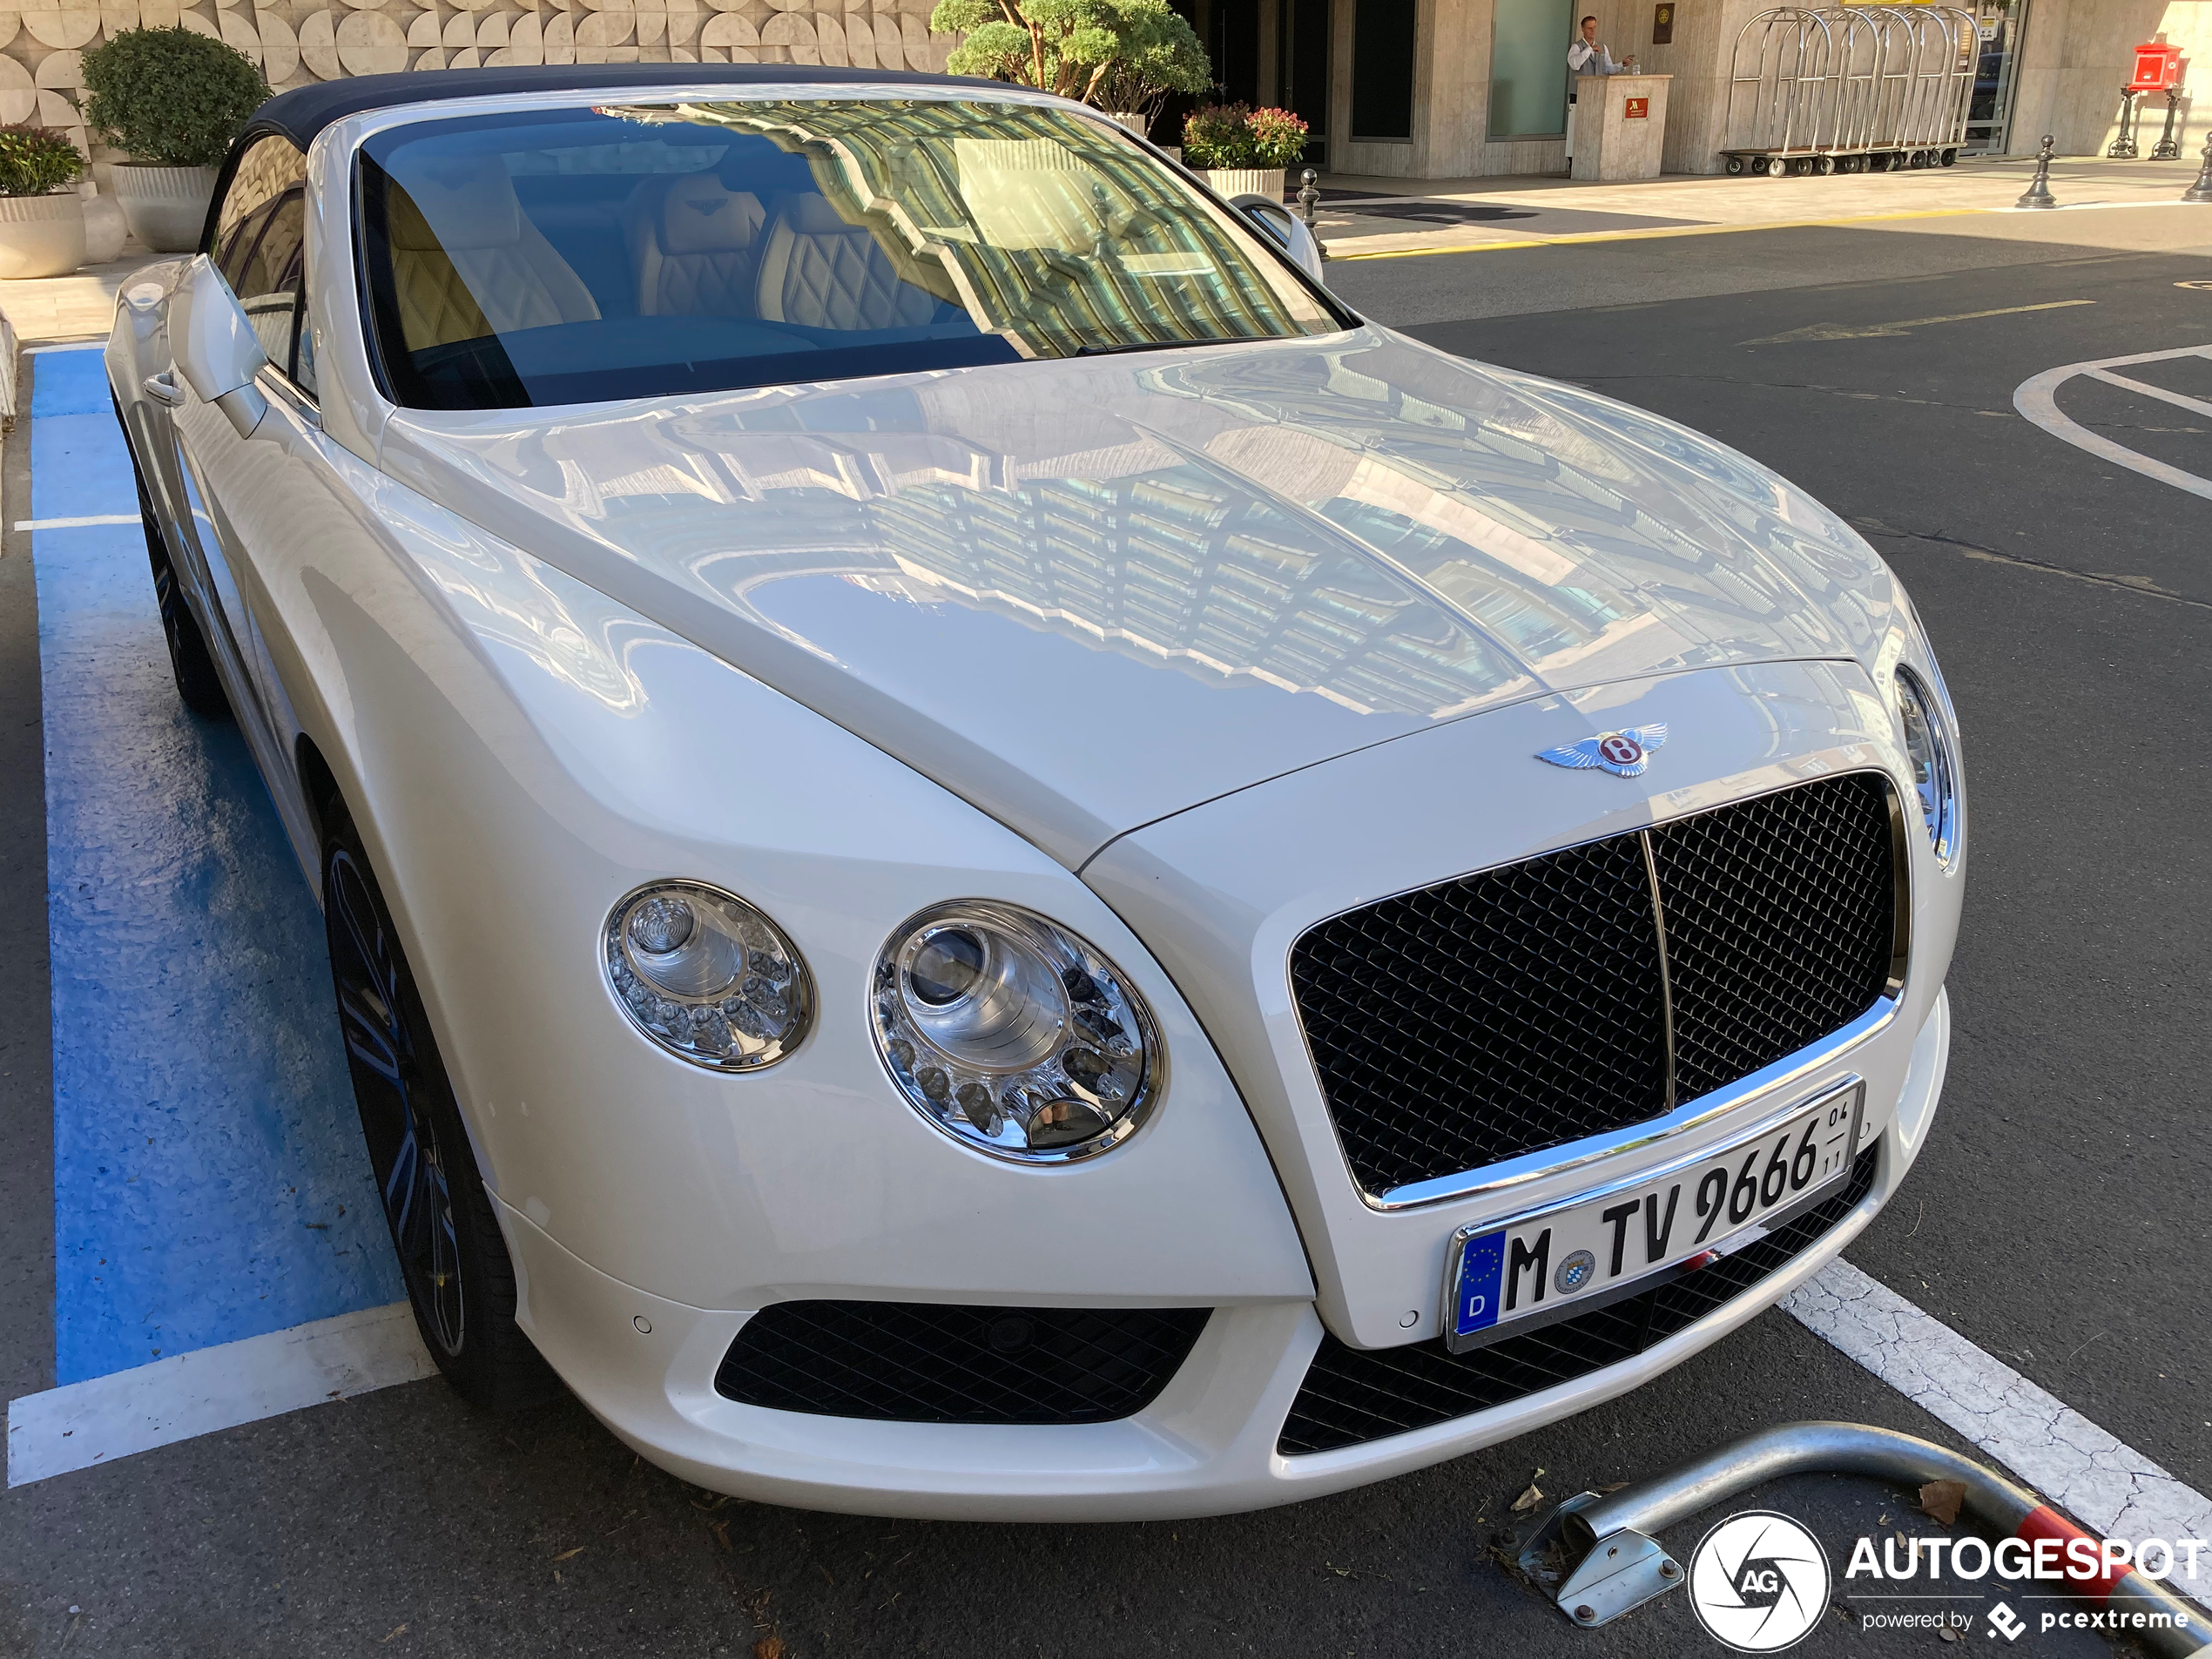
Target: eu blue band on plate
1482, 1263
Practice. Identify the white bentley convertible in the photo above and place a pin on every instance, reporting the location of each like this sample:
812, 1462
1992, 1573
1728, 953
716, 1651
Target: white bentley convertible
982, 857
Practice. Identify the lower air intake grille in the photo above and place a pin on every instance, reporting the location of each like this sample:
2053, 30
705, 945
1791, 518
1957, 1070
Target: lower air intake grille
1527, 1006
1355, 1395
918, 1362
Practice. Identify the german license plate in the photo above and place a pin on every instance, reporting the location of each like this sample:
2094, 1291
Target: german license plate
1556, 1263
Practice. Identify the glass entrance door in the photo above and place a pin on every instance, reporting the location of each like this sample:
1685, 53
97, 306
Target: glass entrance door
1303, 33
2001, 23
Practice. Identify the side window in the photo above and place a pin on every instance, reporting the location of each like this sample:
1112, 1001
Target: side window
259, 246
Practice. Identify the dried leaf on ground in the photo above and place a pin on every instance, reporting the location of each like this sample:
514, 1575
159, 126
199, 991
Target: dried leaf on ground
1528, 1499
769, 1647
571, 1555
397, 1630
1939, 1499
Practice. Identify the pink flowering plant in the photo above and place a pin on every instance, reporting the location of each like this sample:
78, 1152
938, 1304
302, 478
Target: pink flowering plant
1236, 134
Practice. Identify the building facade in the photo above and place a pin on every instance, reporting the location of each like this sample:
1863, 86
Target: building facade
1447, 89
298, 41
1409, 89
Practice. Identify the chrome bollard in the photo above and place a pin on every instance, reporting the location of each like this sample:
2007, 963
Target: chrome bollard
2202, 190
2038, 193
1307, 196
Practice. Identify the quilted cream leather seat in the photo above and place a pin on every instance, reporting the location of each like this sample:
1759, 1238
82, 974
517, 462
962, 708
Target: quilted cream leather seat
694, 247
484, 268
821, 273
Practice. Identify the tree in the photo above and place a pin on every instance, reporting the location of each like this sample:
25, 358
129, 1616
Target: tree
1135, 51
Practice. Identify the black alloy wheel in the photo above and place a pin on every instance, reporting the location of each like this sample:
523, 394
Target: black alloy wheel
459, 1280
198, 682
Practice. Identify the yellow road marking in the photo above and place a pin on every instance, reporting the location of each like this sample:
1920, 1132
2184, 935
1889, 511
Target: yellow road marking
1672, 230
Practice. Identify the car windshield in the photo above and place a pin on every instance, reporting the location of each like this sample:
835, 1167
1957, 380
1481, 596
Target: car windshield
580, 255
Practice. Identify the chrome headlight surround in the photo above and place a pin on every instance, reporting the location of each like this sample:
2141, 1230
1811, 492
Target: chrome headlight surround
1933, 751
707, 976
1012, 1034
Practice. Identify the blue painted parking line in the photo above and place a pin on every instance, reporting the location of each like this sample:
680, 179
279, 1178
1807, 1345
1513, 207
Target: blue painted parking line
210, 1183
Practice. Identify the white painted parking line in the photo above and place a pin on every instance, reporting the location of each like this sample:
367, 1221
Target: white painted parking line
190, 1394
2103, 1482
1884, 330
75, 524
2037, 399
2194, 406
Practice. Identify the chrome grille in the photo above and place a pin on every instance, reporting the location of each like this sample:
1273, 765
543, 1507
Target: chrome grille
1778, 921
1524, 1006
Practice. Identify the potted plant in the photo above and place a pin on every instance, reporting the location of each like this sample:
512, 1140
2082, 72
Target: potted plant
1155, 52
1241, 150
172, 99
1123, 56
42, 220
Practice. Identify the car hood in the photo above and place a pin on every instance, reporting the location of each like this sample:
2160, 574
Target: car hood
1086, 593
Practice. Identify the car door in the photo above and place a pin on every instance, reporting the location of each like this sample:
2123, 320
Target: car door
234, 488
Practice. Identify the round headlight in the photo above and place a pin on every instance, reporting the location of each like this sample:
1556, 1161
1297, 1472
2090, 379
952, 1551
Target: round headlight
707, 976
1012, 1034
1935, 765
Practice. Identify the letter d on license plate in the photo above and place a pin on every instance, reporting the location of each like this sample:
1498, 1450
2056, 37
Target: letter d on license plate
1569, 1257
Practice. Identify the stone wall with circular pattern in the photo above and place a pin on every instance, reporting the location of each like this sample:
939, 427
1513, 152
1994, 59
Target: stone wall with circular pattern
42, 42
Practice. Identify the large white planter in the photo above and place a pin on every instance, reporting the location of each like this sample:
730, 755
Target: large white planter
41, 236
105, 229
1247, 181
166, 208
1136, 120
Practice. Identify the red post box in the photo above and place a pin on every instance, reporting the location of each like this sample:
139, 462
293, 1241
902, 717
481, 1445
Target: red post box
2158, 67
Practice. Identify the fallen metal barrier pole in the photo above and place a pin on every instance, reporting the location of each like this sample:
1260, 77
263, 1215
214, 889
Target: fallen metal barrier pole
1605, 1556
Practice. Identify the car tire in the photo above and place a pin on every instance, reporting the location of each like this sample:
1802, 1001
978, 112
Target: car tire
193, 664
460, 1280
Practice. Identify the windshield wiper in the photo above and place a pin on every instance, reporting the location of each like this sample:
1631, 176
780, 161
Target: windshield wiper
1167, 344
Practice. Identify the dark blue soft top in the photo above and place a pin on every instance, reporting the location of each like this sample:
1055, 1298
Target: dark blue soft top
306, 111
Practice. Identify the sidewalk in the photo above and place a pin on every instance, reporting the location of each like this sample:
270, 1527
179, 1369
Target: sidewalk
78, 307
1360, 218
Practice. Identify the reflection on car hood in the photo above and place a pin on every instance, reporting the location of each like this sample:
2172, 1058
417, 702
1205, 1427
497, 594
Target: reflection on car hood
1087, 594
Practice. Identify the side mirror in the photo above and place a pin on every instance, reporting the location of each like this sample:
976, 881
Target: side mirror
1287, 230
214, 346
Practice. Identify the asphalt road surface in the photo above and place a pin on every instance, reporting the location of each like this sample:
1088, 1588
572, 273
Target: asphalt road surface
2056, 1218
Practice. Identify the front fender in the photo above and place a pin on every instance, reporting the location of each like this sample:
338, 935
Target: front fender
519, 753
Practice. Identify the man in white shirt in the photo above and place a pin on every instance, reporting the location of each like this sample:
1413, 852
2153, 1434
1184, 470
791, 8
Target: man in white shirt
1587, 56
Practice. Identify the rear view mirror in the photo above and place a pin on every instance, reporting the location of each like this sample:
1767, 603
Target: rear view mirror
1287, 230
214, 347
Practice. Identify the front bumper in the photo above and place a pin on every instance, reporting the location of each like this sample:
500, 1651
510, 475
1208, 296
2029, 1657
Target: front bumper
1207, 1445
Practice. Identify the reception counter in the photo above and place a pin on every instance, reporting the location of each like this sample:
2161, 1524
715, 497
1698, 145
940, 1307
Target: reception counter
1620, 125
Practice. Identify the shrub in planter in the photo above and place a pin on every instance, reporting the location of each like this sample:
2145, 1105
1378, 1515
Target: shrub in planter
1278, 138
1224, 136
37, 161
1123, 56
1156, 52
1243, 150
173, 99
42, 221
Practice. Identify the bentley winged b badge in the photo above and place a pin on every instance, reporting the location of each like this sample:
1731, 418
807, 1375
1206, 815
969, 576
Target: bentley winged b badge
1625, 753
